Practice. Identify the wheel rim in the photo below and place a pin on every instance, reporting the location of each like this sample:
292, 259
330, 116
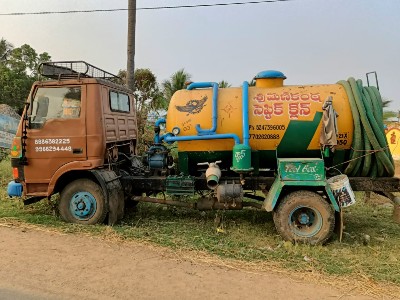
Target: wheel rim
83, 205
305, 221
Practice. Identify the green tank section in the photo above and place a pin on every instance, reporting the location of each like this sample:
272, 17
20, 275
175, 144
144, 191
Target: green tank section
241, 160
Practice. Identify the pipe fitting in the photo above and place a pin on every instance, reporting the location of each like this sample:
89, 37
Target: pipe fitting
169, 138
214, 117
157, 130
213, 174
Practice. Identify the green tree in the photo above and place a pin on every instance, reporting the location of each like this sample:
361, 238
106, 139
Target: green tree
147, 92
386, 102
122, 74
18, 70
388, 114
5, 49
148, 100
177, 81
223, 84
14, 87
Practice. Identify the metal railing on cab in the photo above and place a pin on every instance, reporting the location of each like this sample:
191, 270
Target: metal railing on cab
60, 70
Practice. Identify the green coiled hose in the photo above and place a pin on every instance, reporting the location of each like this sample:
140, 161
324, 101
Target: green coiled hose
370, 155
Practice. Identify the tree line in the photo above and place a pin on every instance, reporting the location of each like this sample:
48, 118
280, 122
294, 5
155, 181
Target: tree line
18, 70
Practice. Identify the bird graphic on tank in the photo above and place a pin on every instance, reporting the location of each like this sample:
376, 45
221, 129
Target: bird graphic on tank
192, 106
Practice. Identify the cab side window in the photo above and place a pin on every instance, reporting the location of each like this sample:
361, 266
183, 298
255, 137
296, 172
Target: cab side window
119, 102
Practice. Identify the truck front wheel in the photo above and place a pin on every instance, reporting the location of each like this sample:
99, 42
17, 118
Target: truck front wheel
82, 201
306, 217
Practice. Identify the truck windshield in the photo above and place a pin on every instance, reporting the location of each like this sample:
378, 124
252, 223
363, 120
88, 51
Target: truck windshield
55, 103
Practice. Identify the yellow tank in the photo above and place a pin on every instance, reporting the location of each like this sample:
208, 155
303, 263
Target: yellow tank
247, 128
271, 110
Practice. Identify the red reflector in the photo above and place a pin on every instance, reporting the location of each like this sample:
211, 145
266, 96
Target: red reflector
15, 173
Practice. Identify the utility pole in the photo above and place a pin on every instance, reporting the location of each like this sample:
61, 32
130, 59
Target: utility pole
130, 70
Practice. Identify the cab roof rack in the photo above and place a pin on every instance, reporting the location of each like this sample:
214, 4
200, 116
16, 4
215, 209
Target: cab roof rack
74, 70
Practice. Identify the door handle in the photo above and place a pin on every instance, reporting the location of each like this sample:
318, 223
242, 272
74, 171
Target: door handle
77, 150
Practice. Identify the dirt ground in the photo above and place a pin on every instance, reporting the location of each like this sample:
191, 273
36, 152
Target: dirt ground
37, 264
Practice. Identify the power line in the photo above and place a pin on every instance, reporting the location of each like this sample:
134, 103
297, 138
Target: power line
139, 8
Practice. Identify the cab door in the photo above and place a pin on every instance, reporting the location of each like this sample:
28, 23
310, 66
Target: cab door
56, 134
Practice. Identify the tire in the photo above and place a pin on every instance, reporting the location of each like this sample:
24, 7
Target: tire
82, 201
305, 217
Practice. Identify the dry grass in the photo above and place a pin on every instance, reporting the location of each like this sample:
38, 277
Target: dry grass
349, 285
249, 242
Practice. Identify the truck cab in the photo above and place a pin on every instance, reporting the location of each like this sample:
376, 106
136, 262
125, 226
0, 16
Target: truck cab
79, 121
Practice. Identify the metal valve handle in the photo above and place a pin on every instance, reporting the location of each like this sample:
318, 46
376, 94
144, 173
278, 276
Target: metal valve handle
208, 164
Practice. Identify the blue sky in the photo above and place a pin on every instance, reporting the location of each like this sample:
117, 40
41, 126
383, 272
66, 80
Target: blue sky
311, 41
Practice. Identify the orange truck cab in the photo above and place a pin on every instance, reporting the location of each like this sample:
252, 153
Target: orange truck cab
76, 123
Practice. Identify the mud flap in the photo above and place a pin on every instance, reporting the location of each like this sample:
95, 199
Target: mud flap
339, 225
273, 195
113, 192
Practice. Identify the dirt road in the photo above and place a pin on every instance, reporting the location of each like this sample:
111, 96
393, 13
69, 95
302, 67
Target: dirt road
45, 265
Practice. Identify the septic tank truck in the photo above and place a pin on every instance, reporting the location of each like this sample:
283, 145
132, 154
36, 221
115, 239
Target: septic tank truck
269, 147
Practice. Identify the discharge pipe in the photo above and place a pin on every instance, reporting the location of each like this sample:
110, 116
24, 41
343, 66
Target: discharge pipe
170, 138
245, 113
213, 174
241, 160
214, 85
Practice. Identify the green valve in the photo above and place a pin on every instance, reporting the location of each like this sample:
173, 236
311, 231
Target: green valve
241, 158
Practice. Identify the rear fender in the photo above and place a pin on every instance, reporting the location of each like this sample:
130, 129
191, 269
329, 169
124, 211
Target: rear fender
113, 193
275, 191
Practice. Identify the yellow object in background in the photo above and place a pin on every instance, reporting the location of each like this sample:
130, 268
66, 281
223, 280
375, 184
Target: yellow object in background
393, 139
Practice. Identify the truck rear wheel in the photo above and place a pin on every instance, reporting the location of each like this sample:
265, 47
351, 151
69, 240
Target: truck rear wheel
82, 201
306, 217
